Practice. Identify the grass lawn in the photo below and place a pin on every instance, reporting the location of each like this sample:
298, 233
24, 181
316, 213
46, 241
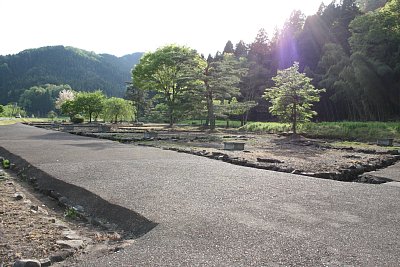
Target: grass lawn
350, 131
8, 121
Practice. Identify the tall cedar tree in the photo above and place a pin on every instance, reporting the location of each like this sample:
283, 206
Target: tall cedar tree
221, 81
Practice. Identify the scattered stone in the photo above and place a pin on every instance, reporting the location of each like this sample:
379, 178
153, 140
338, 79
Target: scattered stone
45, 262
78, 208
54, 194
352, 157
325, 175
311, 174
18, 196
71, 235
61, 255
27, 263
74, 244
266, 160
34, 207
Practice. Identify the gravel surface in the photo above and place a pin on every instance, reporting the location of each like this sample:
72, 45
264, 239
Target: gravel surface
216, 214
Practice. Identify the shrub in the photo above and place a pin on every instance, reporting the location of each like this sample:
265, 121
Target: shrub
6, 164
77, 119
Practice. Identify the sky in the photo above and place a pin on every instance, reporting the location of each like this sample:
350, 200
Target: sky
121, 27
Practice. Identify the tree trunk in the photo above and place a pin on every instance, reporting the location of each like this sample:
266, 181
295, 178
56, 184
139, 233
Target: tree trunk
294, 125
210, 115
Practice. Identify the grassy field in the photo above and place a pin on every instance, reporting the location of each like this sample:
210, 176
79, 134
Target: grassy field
351, 131
345, 131
8, 121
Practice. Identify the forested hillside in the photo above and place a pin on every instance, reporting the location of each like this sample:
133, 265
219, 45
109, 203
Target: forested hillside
350, 48
80, 69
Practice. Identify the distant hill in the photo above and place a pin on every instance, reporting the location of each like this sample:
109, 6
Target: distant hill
81, 69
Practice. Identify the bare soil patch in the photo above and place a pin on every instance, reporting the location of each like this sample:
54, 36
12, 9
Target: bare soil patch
34, 226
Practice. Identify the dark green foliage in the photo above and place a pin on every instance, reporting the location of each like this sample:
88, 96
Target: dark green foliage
221, 81
228, 48
89, 103
39, 100
371, 5
140, 99
82, 70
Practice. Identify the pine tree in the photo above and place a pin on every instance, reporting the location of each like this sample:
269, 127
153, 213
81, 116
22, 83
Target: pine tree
292, 96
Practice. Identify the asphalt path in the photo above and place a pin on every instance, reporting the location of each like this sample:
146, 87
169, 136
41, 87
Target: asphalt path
391, 172
211, 213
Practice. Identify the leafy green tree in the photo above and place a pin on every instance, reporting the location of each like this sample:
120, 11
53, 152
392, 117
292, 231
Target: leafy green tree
229, 108
118, 108
1, 109
40, 100
89, 103
69, 108
140, 99
52, 114
12, 110
292, 96
172, 72
221, 81
371, 5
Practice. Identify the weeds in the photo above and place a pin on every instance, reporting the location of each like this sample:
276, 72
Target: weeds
71, 213
6, 164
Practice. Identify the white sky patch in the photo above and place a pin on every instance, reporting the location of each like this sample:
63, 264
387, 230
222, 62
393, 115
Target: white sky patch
122, 27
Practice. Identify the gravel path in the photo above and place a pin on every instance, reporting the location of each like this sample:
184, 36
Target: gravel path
216, 214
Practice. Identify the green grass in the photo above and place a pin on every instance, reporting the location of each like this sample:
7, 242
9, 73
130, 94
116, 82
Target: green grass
8, 121
266, 127
351, 131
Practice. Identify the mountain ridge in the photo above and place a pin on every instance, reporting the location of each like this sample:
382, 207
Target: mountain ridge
82, 70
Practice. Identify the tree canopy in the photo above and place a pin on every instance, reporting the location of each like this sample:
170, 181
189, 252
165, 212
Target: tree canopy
174, 73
